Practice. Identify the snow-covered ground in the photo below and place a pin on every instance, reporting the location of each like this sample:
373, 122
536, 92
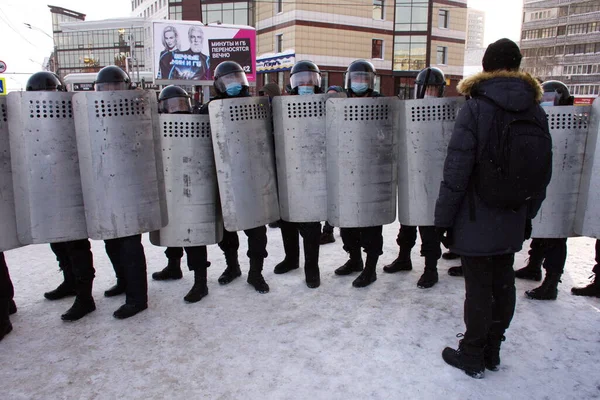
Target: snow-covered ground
335, 342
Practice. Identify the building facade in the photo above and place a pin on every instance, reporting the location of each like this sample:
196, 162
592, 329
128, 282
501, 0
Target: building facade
475, 28
560, 39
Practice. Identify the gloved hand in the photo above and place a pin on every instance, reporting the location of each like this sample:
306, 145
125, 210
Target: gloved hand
445, 236
528, 229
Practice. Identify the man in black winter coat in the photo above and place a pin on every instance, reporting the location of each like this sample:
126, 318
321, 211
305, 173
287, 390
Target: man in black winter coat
486, 237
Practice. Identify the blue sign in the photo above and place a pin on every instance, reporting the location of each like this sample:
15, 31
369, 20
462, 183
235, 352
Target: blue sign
2, 87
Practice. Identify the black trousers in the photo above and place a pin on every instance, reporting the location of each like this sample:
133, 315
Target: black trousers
257, 242
7, 291
327, 228
310, 232
196, 255
430, 243
75, 257
552, 251
129, 261
490, 296
369, 238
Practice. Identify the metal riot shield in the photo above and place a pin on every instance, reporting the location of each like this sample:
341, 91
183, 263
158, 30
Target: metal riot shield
8, 226
120, 162
242, 136
46, 181
361, 161
300, 151
190, 182
569, 130
424, 128
587, 217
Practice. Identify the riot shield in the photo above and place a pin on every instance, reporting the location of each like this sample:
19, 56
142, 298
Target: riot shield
190, 182
361, 161
300, 151
569, 130
242, 136
8, 227
587, 217
46, 181
120, 162
424, 130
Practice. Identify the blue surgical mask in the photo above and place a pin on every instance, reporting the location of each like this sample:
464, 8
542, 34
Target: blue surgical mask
233, 89
359, 88
302, 90
546, 103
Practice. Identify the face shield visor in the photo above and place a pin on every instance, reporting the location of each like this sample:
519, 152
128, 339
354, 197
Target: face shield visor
305, 78
175, 105
111, 86
549, 99
231, 83
360, 81
430, 91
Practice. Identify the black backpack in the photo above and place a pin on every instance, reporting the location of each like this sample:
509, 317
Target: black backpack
516, 162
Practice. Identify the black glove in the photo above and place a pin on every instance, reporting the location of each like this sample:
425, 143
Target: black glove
528, 229
445, 236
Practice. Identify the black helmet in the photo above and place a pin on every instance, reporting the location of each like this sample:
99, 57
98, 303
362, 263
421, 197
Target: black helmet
430, 77
45, 81
305, 73
230, 79
556, 93
360, 77
112, 78
174, 100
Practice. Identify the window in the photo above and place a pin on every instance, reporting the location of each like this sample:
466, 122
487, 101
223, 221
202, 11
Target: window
279, 6
378, 9
443, 19
442, 55
279, 43
377, 49
409, 52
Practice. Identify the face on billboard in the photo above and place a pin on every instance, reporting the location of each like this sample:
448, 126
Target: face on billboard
196, 37
170, 40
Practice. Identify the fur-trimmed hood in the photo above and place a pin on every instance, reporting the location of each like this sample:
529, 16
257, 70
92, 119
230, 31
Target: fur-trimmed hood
512, 90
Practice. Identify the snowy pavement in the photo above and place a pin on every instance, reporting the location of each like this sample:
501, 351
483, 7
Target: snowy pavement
334, 342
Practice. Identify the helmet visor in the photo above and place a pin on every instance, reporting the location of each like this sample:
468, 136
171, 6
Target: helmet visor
175, 105
236, 77
429, 91
305, 78
549, 99
360, 77
111, 86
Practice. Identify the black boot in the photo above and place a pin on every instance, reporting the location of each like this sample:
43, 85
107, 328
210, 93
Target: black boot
354, 264
402, 263
450, 256
117, 289
171, 272
491, 354
200, 289
326, 238
467, 357
532, 271
430, 275
286, 265
66, 288
455, 271
5, 325
83, 305
255, 277
233, 268
591, 290
12, 307
369, 274
129, 310
548, 290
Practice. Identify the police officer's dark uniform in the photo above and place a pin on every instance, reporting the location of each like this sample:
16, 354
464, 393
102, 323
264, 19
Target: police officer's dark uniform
305, 78
230, 82
7, 304
175, 100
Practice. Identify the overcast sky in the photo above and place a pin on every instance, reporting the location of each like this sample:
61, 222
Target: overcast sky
24, 50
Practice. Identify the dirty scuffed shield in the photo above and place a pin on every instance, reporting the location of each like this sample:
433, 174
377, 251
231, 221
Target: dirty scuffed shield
361, 162
120, 162
568, 129
242, 135
587, 217
8, 224
190, 182
424, 130
300, 151
46, 181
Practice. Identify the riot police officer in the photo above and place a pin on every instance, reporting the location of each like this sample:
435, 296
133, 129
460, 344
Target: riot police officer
552, 252
430, 82
7, 304
74, 257
359, 81
305, 79
126, 253
230, 81
175, 100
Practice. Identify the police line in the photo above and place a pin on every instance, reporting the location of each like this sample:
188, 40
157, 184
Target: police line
105, 164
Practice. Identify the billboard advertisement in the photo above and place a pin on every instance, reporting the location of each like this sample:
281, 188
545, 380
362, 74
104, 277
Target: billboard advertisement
190, 51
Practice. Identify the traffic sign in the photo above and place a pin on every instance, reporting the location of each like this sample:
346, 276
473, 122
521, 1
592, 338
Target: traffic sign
2, 86
2, 66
